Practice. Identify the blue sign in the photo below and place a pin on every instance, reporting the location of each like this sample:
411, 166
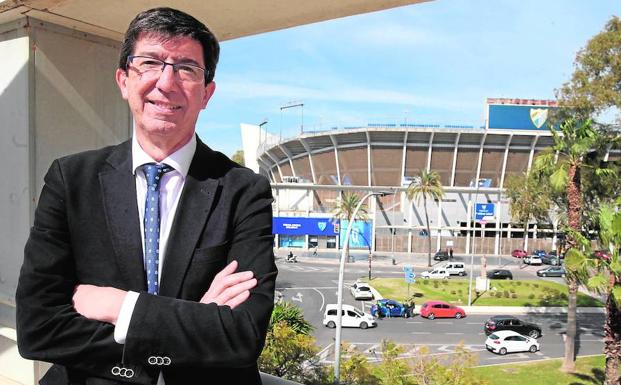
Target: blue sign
519, 117
484, 211
303, 226
360, 237
410, 275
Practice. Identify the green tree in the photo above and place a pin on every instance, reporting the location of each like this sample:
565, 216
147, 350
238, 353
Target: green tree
238, 157
563, 164
345, 206
392, 370
356, 370
292, 316
596, 82
426, 185
528, 200
603, 274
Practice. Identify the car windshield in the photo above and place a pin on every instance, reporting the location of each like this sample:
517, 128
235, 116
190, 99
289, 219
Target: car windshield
493, 337
363, 288
358, 312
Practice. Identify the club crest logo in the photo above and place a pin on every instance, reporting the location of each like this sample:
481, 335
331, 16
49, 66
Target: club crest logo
322, 225
538, 116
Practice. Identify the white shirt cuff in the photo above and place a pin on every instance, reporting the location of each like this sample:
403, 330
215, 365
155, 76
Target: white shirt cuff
125, 315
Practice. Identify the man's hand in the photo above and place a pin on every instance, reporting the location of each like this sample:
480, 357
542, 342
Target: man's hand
230, 288
98, 303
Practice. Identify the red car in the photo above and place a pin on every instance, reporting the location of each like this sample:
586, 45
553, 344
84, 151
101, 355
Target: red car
518, 253
602, 254
441, 309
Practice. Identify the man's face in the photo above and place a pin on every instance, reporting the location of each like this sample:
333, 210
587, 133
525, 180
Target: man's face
164, 107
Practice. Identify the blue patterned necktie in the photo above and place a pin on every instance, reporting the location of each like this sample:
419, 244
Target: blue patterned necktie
153, 173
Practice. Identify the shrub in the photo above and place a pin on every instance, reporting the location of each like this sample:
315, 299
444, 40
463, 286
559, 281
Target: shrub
536, 285
531, 296
512, 290
514, 295
425, 282
506, 294
453, 292
519, 283
498, 294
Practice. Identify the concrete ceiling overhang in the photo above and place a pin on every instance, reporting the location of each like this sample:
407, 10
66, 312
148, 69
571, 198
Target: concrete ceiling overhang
228, 19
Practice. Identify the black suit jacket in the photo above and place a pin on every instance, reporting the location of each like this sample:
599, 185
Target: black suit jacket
86, 230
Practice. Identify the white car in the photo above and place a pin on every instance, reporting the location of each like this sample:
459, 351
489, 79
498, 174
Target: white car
508, 341
438, 273
361, 290
352, 317
454, 268
533, 260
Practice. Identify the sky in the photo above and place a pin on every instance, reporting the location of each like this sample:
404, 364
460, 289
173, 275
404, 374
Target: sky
428, 63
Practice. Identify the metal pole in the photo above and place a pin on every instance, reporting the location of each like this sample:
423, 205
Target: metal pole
339, 295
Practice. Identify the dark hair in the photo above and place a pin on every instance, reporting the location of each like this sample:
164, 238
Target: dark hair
170, 23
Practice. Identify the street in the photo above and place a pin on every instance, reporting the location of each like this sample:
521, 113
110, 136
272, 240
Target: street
312, 283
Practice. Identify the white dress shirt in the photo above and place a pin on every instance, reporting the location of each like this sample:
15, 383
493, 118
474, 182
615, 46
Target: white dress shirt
171, 186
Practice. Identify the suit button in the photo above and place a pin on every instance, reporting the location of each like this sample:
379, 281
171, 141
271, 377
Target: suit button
152, 360
166, 361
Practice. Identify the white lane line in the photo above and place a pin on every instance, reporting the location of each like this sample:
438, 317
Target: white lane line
323, 300
454, 333
444, 323
473, 323
421, 333
414, 322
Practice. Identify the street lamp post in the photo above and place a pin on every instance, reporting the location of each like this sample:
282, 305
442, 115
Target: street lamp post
339, 308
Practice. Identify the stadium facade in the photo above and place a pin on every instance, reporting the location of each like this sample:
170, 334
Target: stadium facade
310, 170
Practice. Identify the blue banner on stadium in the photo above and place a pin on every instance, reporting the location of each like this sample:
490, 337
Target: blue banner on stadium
360, 237
519, 117
303, 226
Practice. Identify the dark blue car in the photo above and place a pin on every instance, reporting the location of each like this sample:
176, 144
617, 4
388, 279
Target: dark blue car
391, 308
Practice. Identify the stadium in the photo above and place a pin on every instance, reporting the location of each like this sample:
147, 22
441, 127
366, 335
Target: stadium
310, 170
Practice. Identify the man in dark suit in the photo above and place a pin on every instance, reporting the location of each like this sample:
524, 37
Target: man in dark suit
151, 261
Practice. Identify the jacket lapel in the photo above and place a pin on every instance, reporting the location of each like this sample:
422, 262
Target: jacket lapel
118, 186
193, 210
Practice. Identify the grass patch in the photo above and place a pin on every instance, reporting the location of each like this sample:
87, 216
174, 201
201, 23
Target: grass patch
590, 370
502, 293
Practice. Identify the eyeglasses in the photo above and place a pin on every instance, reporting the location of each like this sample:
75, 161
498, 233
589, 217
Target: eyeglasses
154, 67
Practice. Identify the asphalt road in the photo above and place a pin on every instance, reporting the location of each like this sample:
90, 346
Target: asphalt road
311, 284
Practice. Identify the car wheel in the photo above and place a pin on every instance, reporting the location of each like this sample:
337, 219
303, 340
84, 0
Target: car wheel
407, 314
431, 316
502, 351
331, 325
458, 315
461, 274
562, 275
533, 334
363, 325
533, 349
544, 275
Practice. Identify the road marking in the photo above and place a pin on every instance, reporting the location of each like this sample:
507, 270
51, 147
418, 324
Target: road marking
306, 288
323, 300
298, 297
473, 323
414, 322
454, 333
444, 323
421, 333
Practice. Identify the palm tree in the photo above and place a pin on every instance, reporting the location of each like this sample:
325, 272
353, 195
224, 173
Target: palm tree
425, 185
563, 163
528, 200
345, 206
292, 316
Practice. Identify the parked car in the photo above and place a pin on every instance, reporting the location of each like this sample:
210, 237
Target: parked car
455, 268
441, 256
499, 274
552, 271
507, 322
361, 291
519, 253
550, 260
539, 252
438, 273
532, 260
351, 317
391, 308
507, 341
602, 254
440, 309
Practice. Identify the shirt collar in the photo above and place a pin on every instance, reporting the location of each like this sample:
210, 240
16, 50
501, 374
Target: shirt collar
180, 160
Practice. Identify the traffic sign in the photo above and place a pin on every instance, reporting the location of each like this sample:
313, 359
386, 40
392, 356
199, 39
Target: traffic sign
409, 274
484, 211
